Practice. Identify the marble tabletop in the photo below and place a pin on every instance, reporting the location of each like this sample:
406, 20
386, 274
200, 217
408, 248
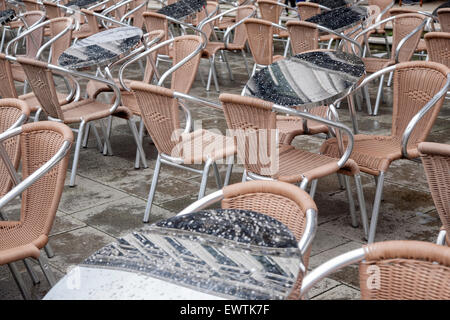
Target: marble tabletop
210, 254
183, 8
101, 48
333, 4
341, 18
81, 3
7, 16
307, 79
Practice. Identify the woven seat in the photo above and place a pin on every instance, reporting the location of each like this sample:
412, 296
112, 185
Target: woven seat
415, 85
254, 125
24, 238
436, 162
160, 113
90, 110
394, 270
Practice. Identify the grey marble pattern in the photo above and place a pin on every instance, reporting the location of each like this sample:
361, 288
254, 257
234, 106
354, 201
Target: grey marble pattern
307, 79
228, 253
7, 16
333, 4
183, 8
101, 48
81, 3
341, 18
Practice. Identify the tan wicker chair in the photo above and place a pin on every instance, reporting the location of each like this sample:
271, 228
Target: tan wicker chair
282, 201
304, 36
418, 95
40, 77
260, 40
394, 270
44, 149
438, 47
254, 125
159, 110
436, 162
444, 19
421, 47
238, 43
407, 30
384, 6
307, 10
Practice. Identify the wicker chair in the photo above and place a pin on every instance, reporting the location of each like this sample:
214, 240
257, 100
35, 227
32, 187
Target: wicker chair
436, 162
418, 95
438, 44
238, 43
307, 10
253, 123
159, 110
385, 6
44, 147
394, 270
407, 30
279, 200
40, 77
444, 19
260, 40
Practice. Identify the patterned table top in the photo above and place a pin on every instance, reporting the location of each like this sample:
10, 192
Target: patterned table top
183, 8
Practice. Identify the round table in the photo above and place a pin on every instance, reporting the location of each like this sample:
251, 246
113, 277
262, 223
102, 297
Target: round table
7, 16
210, 254
340, 19
182, 8
308, 79
101, 48
81, 3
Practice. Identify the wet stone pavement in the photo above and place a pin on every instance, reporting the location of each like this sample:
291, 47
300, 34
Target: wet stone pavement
109, 199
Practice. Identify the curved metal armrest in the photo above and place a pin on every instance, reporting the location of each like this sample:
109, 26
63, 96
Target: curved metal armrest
203, 203
413, 122
226, 36
72, 85
46, 167
98, 5
374, 26
211, 16
383, 12
343, 36
188, 25
329, 267
145, 3
52, 40
310, 231
105, 18
187, 114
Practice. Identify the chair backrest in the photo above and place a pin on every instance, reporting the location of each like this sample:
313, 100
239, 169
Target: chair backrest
403, 270
254, 126
52, 10
7, 89
240, 33
438, 47
39, 142
208, 28
34, 39
382, 4
444, 19
10, 112
279, 200
307, 10
260, 40
183, 77
32, 5
404, 24
436, 162
58, 25
157, 21
41, 82
304, 36
270, 10
138, 19
91, 21
159, 110
416, 83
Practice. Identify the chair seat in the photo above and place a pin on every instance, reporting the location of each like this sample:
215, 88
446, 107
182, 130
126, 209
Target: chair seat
196, 147
34, 104
212, 48
277, 58
295, 165
291, 126
372, 153
376, 64
226, 22
89, 110
94, 88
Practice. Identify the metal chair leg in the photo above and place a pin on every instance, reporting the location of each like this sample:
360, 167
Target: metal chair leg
390, 79
287, 46
208, 82
379, 93
205, 174
244, 176
19, 280
49, 251
77, 154
367, 98
376, 208
151, 194
224, 55
138, 143
341, 182
107, 149
351, 202
229, 170
86, 135
362, 206
97, 137
217, 175
246, 63
48, 273
441, 238
31, 272
312, 190
141, 139
214, 74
